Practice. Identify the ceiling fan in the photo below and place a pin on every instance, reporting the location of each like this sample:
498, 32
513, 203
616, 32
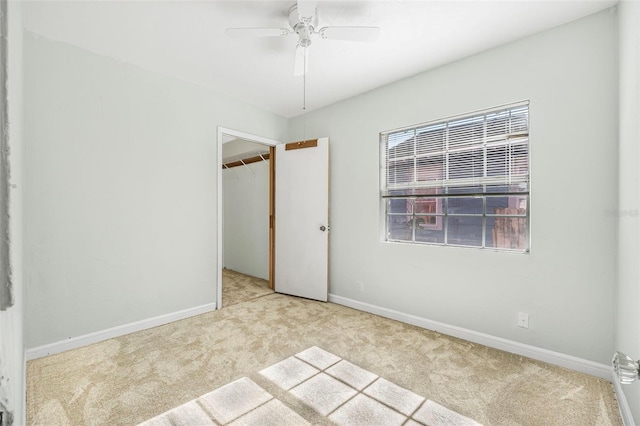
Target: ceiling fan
303, 20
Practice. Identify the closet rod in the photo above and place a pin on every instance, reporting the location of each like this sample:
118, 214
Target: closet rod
244, 162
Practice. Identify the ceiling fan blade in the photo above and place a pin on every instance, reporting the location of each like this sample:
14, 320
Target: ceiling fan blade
256, 32
301, 64
307, 9
368, 34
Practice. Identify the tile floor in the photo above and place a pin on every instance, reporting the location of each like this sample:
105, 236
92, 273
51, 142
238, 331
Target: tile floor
343, 392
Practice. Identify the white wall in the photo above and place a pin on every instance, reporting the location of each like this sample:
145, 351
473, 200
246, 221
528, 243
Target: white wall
567, 282
120, 200
628, 302
12, 359
246, 219
236, 148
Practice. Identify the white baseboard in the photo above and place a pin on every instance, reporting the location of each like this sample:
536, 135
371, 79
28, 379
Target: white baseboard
625, 411
110, 333
578, 364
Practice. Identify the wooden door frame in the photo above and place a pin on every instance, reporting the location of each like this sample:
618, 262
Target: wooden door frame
223, 134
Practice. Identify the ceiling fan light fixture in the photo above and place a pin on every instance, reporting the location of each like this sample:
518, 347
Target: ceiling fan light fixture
304, 33
303, 20
301, 64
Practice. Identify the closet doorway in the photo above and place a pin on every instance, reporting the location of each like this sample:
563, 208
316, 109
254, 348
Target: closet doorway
244, 210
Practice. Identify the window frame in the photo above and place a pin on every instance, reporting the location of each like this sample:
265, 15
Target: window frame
496, 221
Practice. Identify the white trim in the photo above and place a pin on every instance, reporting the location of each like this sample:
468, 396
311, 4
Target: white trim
110, 333
625, 411
222, 131
246, 136
578, 364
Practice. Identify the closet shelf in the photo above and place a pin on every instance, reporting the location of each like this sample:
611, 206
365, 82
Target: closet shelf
245, 159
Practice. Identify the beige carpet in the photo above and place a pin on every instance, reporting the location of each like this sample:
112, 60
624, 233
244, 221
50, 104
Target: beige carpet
133, 378
238, 287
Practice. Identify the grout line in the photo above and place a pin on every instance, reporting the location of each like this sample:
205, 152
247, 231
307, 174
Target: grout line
304, 381
341, 405
413, 413
255, 408
390, 407
358, 392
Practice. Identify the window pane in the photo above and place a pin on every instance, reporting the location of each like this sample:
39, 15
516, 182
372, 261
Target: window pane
498, 123
399, 219
464, 205
466, 131
402, 206
428, 214
507, 233
466, 164
520, 159
430, 140
430, 168
521, 187
400, 144
427, 221
465, 230
500, 205
399, 172
398, 230
499, 188
430, 236
465, 190
498, 160
426, 205
520, 119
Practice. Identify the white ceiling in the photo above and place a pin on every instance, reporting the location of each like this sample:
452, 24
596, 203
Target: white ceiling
186, 40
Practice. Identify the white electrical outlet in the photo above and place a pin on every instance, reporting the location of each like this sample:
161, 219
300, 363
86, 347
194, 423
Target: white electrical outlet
523, 320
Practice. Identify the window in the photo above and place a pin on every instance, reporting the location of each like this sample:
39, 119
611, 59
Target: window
463, 181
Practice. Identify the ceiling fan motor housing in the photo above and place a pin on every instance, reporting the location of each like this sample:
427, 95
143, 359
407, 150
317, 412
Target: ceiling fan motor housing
303, 26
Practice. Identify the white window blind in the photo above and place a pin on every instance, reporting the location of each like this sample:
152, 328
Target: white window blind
459, 181
480, 152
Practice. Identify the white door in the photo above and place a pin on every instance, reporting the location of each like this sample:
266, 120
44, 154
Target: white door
302, 219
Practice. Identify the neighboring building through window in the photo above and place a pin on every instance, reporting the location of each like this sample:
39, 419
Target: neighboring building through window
462, 181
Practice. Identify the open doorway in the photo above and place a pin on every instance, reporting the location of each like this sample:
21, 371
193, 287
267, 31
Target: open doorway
244, 208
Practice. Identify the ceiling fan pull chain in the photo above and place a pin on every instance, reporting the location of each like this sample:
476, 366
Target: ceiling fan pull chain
304, 85
304, 99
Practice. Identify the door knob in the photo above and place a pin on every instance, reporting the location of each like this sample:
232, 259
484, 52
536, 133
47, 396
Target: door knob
323, 228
